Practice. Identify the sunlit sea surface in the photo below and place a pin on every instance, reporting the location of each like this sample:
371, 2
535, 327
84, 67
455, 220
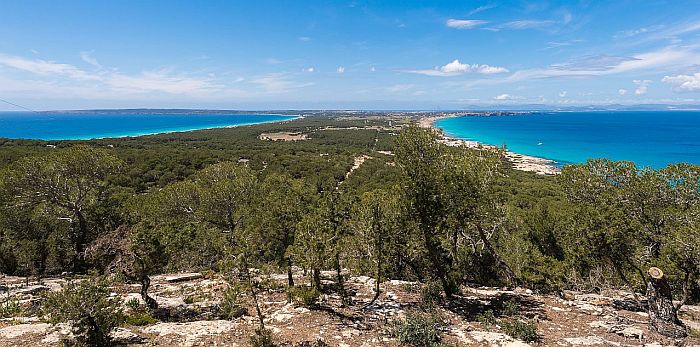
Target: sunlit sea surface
648, 138
82, 126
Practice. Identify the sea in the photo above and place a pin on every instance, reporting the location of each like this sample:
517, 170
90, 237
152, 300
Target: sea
92, 125
647, 138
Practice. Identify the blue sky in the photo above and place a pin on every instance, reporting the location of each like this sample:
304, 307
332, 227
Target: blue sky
347, 54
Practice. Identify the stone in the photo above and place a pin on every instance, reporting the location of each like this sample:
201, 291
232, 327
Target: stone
183, 277
31, 290
632, 332
21, 329
589, 341
125, 336
191, 331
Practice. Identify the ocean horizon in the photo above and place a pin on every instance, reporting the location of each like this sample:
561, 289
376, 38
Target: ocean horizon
647, 138
86, 125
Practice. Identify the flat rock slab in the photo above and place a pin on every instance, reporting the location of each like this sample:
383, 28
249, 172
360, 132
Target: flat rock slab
183, 277
496, 339
191, 331
22, 329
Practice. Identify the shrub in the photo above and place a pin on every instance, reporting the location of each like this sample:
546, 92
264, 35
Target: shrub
10, 308
88, 308
487, 319
262, 338
507, 307
133, 304
430, 295
230, 306
523, 330
418, 329
140, 318
306, 296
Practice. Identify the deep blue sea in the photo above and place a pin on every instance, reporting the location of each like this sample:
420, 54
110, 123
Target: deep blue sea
83, 126
648, 138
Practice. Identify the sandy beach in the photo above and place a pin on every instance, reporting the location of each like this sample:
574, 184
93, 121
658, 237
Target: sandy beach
540, 166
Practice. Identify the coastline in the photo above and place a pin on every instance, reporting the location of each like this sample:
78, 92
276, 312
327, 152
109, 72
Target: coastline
522, 162
168, 131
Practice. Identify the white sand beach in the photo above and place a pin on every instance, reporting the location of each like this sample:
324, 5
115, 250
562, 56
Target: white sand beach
540, 166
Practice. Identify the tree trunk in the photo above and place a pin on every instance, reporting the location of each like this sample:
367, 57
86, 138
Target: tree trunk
316, 278
663, 317
80, 242
512, 278
290, 277
150, 302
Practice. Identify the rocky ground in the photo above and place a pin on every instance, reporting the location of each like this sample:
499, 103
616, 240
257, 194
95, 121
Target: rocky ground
575, 319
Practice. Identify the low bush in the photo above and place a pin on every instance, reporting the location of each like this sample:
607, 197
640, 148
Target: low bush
523, 330
10, 308
262, 338
430, 295
305, 296
230, 306
487, 319
88, 308
140, 318
418, 329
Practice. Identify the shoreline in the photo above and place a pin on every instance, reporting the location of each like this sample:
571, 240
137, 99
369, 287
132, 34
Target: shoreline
173, 131
522, 162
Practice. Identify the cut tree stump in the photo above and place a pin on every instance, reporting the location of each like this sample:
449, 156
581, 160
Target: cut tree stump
663, 317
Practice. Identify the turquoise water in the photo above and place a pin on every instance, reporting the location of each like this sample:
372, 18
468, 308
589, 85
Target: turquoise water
84, 125
648, 138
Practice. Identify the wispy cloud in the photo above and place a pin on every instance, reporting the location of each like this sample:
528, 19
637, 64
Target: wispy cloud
481, 9
560, 44
87, 57
464, 23
278, 83
110, 80
45, 68
638, 31
340, 69
455, 68
527, 24
398, 88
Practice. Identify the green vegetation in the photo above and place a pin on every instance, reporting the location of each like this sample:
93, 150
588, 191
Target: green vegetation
10, 308
88, 308
419, 329
223, 200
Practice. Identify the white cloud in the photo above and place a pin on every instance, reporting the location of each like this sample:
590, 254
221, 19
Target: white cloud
310, 69
278, 83
563, 94
638, 31
160, 82
69, 77
527, 24
372, 69
503, 97
397, 88
340, 69
642, 86
456, 68
622, 92
464, 23
42, 67
684, 83
86, 57
481, 9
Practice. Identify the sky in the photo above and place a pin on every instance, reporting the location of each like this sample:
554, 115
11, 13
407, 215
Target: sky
346, 54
